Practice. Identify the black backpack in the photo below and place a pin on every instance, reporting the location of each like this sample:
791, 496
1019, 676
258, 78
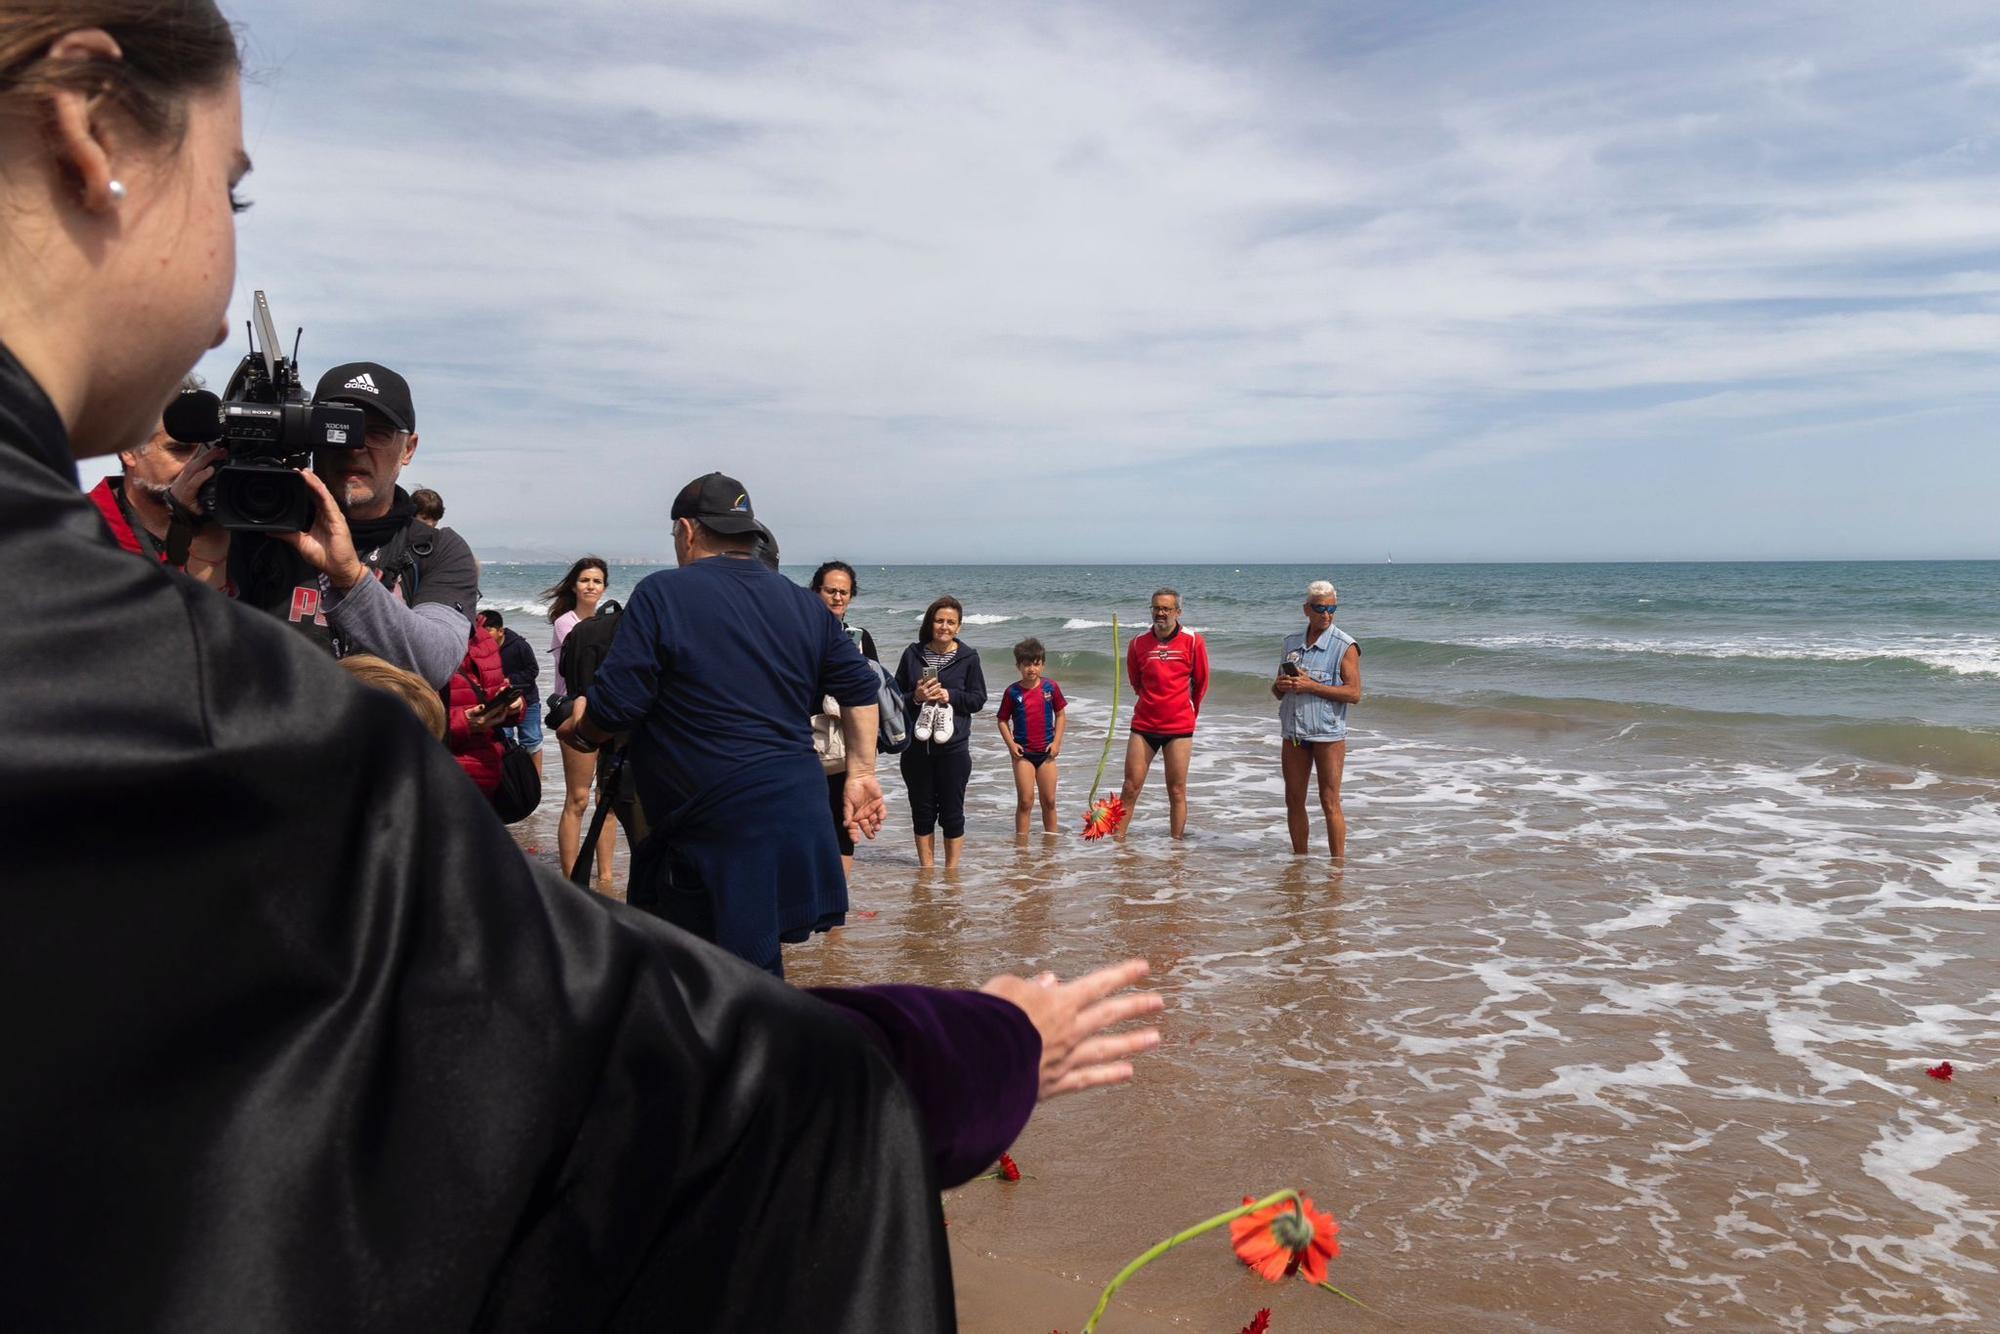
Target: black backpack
586, 646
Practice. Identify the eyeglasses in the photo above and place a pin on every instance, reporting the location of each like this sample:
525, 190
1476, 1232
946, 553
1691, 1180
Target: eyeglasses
840, 593
1321, 607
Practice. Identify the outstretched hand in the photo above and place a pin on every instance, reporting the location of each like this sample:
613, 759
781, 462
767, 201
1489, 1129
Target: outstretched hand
1072, 1016
862, 804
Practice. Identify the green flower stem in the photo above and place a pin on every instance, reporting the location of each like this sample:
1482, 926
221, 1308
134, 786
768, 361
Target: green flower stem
1350, 1297
1189, 1235
1111, 728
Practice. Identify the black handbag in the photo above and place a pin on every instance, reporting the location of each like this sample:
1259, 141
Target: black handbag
520, 790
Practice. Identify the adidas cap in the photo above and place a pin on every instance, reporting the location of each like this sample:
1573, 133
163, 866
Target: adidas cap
717, 502
367, 384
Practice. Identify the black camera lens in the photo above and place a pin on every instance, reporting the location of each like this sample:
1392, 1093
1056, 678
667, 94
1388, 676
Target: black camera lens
263, 500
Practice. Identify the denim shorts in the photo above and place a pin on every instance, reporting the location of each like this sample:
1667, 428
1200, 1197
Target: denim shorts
529, 732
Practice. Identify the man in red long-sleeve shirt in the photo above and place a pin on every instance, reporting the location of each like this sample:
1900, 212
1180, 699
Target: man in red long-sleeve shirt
1168, 669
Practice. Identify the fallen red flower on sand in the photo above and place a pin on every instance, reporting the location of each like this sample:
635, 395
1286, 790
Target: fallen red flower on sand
1278, 1242
1259, 1323
1008, 1170
1106, 814
1942, 1070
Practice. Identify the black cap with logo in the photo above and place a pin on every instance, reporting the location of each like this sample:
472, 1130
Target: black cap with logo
717, 502
373, 386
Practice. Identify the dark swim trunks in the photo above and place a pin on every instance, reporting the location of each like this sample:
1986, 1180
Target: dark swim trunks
1158, 740
1036, 757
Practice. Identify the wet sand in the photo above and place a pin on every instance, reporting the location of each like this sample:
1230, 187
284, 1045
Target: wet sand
1578, 1039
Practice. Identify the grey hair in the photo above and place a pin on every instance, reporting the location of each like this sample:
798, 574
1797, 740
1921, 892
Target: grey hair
1321, 589
1173, 593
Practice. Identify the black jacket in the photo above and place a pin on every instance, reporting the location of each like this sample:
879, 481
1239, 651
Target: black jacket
521, 663
300, 1040
963, 681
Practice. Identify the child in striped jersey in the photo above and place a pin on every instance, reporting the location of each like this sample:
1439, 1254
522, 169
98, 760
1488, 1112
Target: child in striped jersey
1032, 722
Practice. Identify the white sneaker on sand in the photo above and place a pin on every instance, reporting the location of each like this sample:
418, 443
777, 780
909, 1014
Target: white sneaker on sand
923, 727
941, 729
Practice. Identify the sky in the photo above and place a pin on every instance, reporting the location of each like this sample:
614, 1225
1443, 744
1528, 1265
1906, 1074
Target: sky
1157, 281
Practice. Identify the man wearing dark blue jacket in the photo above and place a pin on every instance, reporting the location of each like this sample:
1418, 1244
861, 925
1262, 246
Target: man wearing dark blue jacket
716, 671
518, 661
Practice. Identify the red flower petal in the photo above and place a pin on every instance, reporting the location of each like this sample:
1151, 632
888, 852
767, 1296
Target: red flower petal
1106, 814
1263, 1252
1259, 1323
1942, 1070
1008, 1170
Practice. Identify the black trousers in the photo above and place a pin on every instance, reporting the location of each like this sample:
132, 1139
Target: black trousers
836, 800
936, 779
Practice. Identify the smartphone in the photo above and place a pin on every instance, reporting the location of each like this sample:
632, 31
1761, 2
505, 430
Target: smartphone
503, 701
930, 674
1288, 668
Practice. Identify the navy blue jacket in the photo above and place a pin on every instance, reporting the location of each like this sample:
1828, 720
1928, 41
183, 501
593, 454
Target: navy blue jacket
519, 661
963, 681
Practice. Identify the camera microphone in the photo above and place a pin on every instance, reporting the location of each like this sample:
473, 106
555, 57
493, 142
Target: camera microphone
194, 418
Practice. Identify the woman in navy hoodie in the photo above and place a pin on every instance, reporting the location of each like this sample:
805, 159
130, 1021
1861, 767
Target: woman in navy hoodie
939, 670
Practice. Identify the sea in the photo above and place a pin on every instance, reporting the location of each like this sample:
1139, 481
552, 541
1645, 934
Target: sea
1670, 891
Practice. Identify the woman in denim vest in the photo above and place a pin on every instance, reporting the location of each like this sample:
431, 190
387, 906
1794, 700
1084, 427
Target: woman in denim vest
1318, 678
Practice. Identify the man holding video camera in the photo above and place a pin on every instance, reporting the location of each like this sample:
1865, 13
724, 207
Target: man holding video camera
368, 576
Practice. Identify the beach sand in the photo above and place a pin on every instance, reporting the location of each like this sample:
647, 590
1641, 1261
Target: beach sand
1569, 1044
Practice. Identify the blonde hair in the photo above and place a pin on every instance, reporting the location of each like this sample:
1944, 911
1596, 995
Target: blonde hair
412, 689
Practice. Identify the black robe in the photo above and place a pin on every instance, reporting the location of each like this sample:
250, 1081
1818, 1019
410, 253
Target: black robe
297, 1039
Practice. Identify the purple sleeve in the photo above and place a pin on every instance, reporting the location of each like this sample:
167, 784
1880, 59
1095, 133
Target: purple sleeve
971, 1061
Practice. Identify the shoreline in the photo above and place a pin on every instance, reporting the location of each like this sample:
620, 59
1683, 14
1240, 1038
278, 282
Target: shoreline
1555, 1046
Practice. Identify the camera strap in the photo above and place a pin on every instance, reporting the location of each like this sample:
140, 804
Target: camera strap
399, 560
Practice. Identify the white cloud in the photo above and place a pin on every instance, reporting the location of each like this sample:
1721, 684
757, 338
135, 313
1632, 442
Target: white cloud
867, 257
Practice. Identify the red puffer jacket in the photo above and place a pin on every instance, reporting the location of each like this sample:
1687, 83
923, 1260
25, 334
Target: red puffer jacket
478, 752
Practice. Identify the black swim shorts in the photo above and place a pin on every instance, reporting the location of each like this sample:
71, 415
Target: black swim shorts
1158, 740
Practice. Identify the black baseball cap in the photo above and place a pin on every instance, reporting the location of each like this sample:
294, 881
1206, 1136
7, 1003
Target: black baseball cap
369, 384
717, 502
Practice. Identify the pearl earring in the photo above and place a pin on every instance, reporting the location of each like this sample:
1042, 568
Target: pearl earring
116, 189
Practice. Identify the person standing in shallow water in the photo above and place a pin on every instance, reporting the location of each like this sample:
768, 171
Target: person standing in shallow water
836, 585
573, 598
1318, 677
941, 678
1168, 669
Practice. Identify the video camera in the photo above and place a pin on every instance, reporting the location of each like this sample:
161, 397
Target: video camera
271, 431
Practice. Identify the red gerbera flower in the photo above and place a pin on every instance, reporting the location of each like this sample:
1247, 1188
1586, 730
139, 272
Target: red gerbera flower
1259, 1323
1008, 1171
1942, 1070
1281, 1241
1106, 814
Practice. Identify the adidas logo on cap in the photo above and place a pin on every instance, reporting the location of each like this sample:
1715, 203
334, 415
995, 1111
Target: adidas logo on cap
362, 381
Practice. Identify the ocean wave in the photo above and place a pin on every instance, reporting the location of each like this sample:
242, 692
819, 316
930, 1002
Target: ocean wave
1961, 655
987, 618
1965, 751
1078, 623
